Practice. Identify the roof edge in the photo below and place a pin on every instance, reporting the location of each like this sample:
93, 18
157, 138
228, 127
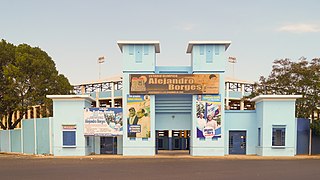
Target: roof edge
127, 42
275, 97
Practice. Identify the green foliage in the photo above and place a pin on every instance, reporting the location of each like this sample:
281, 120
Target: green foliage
294, 78
315, 126
27, 75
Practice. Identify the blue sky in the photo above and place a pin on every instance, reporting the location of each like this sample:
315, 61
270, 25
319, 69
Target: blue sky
76, 33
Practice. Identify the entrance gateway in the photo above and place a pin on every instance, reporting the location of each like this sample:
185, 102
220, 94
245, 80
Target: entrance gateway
173, 122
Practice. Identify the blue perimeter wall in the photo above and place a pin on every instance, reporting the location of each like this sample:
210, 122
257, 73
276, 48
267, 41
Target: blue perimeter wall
26, 140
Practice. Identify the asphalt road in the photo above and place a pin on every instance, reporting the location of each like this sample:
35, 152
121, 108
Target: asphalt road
29, 167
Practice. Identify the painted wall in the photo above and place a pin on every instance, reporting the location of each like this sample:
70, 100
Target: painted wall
173, 121
208, 59
137, 146
138, 57
136, 60
28, 136
15, 138
25, 140
5, 141
43, 136
276, 113
69, 112
243, 121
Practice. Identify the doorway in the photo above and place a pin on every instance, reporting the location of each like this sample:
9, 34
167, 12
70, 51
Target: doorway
173, 140
237, 142
108, 145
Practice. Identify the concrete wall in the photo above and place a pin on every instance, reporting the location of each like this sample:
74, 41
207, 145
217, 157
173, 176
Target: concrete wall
28, 136
276, 113
208, 59
131, 54
69, 112
43, 135
5, 141
202, 53
15, 139
27, 140
242, 121
173, 121
137, 146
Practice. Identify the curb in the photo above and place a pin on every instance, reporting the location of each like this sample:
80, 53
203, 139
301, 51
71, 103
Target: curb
227, 157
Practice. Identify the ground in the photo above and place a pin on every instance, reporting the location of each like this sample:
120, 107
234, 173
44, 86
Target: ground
101, 167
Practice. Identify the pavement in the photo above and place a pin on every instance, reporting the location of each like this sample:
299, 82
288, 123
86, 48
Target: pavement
168, 155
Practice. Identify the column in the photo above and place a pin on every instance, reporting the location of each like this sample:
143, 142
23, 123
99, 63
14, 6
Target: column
170, 139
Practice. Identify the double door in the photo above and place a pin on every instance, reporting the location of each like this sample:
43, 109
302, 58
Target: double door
174, 140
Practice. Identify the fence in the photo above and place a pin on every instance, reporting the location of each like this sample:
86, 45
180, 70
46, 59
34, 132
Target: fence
303, 138
34, 137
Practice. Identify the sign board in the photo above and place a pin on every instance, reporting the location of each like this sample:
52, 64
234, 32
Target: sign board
174, 83
208, 116
138, 116
103, 121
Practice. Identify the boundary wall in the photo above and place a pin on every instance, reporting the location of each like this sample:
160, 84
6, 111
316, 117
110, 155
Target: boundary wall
32, 138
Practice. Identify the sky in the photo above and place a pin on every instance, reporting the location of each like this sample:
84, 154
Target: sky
76, 32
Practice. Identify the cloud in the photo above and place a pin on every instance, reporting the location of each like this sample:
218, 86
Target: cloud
299, 28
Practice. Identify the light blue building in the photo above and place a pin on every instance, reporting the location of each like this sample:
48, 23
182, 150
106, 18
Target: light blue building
173, 108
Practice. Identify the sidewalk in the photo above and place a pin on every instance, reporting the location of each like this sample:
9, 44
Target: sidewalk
169, 155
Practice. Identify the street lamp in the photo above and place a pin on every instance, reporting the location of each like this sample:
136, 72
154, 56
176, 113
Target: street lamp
232, 60
100, 61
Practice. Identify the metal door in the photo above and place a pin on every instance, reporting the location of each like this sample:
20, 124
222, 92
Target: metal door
108, 145
162, 140
237, 142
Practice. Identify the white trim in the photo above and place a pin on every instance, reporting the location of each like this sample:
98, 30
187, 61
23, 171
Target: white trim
155, 43
22, 141
35, 135
50, 135
71, 97
9, 137
275, 97
191, 43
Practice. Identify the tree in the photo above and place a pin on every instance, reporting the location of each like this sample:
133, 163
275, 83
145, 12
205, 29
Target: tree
28, 77
7, 56
290, 78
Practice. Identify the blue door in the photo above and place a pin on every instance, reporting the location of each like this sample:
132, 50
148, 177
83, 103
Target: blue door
237, 142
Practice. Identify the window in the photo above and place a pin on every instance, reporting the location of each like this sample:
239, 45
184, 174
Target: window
259, 136
278, 136
69, 136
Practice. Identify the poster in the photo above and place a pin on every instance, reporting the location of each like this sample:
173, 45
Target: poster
174, 83
103, 122
138, 120
208, 116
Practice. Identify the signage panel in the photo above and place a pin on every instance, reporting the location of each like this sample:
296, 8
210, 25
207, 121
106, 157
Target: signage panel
103, 122
174, 83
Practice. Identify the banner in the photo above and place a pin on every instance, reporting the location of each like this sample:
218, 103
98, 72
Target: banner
138, 116
174, 83
103, 121
208, 116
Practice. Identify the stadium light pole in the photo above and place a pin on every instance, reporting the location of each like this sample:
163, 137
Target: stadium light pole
232, 60
101, 60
